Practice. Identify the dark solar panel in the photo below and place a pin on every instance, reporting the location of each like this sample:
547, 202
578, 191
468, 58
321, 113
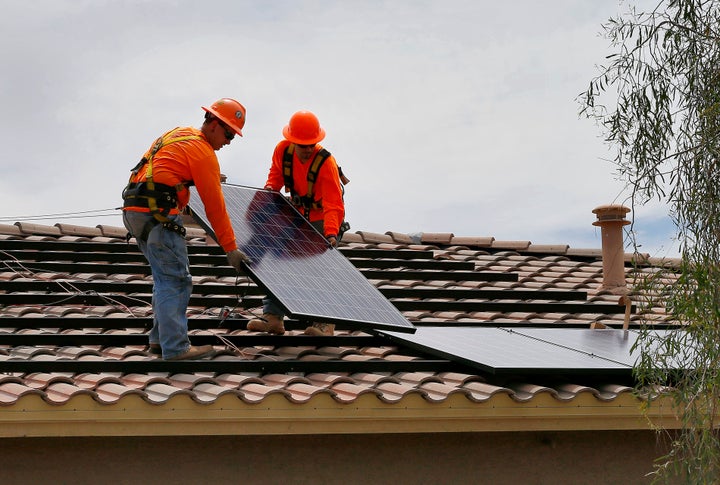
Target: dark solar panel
295, 264
529, 350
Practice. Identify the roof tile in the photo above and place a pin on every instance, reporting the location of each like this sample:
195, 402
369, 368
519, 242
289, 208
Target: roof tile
111, 392
11, 392
61, 392
92, 381
37, 229
301, 392
72, 230
38, 380
526, 391
112, 232
208, 392
394, 392
374, 237
436, 237
539, 267
513, 245
546, 248
401, 238
349, 392
234, 381
188, 381
158, 392
141, 381
481, 391
439, 392
13, 230
417, 378
482, 242
254, 393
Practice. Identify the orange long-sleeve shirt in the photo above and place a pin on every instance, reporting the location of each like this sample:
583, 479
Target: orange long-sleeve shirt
193, 161
326, 188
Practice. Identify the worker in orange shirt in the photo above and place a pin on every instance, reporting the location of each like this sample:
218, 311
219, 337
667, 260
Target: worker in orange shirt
311, 175
159, 188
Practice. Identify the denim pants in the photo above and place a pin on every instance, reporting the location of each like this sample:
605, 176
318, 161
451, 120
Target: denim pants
166, 252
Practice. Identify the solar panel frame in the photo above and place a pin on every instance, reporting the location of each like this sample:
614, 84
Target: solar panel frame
293, 262
530, 351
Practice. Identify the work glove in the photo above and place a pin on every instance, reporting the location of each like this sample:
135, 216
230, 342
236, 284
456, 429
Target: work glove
236, 258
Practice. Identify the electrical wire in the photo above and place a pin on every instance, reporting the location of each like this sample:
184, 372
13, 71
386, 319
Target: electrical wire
62, 215
225, 313
16, 266
66, 286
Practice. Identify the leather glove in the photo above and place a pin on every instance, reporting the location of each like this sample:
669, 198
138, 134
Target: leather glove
236, 258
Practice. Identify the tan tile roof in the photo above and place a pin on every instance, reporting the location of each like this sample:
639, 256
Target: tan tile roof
46, 296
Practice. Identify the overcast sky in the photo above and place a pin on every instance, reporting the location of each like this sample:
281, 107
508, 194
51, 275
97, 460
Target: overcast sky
447, 116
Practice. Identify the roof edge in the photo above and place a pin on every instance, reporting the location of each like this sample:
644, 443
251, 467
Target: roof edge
32, 416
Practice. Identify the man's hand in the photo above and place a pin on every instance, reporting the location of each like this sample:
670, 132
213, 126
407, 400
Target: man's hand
236, 258
333, 241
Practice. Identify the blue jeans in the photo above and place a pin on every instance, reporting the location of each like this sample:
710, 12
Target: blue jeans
271, 305
166, 252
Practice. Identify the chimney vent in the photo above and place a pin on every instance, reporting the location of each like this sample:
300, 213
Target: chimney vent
611, 219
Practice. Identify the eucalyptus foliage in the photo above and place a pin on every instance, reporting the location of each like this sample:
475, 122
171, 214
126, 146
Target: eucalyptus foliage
657, 101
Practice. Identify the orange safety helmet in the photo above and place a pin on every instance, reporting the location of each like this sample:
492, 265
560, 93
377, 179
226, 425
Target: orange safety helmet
304, 129
230, 112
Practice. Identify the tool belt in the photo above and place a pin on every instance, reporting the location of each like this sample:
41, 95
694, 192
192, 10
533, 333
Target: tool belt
152, 222
138, 195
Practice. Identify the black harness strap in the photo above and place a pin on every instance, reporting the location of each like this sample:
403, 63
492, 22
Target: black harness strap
306, 202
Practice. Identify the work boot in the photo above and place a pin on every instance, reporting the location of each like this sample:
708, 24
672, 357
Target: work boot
321, 329
195, 353
155, 349
267, 323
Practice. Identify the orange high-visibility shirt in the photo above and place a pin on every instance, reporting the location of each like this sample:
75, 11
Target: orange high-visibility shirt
326, 188
194, 161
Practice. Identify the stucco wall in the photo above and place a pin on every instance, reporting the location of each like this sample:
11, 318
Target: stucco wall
604, 457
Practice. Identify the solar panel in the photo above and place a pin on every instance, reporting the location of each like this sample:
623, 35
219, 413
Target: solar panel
529, 350
295, 263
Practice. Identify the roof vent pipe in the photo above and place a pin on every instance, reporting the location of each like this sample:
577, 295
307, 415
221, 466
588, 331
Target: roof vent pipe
611, 219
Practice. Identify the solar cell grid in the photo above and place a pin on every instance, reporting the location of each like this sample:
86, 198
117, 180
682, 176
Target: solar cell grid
530, 350
295, 264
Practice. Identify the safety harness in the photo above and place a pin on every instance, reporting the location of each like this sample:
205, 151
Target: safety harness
308, 202
159, 198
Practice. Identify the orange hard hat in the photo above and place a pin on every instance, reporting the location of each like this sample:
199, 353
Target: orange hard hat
230, 112
303, 129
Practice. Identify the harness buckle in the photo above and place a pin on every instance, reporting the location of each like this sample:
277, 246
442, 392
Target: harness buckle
175, 227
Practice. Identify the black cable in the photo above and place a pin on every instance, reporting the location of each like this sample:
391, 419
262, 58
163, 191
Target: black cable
60, 215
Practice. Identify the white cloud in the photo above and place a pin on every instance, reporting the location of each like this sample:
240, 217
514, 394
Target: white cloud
453, 116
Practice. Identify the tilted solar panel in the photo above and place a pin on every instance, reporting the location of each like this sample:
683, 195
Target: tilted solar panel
503, 351
295, 264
